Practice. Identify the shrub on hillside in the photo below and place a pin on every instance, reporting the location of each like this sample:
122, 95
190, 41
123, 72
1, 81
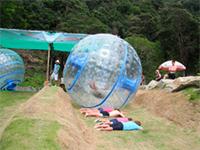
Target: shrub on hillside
150, 54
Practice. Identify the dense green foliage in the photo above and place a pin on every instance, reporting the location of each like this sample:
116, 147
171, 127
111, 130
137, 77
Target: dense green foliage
172, 23
150, 54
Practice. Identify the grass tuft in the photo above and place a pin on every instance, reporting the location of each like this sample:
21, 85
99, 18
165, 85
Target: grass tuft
193, 94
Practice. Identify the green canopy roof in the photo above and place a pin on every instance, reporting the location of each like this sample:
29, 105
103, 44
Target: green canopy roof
38, 40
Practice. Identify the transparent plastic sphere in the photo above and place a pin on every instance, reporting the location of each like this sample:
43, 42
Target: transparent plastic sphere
11, 69
102, 70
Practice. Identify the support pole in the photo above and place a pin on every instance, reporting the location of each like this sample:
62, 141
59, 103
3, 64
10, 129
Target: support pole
48, 61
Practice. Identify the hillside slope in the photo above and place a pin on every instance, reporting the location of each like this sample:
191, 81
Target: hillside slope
172, 106
49, 120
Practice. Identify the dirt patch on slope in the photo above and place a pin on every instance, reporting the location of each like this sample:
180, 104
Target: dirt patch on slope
173, 106
54, 104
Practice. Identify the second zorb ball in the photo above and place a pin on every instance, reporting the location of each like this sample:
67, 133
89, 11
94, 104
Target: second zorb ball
102, 70
11, 69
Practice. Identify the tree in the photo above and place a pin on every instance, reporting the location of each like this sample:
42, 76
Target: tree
179, 36
172, 22
150, 53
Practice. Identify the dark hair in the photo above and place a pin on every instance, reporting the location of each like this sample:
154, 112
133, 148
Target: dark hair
130, 119
138, 123
117, 109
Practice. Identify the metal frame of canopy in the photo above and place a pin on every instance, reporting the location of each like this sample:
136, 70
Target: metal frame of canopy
39, 40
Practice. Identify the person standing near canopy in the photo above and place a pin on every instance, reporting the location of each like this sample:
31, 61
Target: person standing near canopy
172, 67
54, 75
172, 70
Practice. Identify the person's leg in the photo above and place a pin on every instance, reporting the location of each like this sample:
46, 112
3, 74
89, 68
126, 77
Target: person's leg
84, 110
101, 125
88, 109
173, 76
93, 114
56, 79
106, 129
93, 110
51, 79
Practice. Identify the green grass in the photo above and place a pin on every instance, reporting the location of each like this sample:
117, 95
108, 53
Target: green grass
158, 133
193, 94
8, 98
9, 103
24, 133
31, 134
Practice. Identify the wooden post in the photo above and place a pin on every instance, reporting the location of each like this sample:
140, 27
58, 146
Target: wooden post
48, 61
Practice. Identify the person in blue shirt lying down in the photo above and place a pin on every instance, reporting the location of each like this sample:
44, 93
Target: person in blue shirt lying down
126, 126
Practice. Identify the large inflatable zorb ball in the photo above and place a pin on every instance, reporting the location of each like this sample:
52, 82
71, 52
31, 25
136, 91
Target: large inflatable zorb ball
11, 69
102, 71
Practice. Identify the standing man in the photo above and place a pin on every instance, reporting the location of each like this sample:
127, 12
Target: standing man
172, 70
54, 75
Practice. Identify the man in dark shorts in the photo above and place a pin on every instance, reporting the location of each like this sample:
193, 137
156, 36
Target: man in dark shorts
117, 126
172, 70
171, 75
104, 113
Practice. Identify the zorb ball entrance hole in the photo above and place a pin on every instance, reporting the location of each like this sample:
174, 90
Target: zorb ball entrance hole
102, 70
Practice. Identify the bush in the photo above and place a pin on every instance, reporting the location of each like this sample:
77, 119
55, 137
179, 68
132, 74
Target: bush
150, 54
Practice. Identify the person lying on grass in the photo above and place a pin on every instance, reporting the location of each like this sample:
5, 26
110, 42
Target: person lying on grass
95, 110
108, 121
114, 113
126, 126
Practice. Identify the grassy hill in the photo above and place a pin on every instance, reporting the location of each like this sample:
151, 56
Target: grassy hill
49, 120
